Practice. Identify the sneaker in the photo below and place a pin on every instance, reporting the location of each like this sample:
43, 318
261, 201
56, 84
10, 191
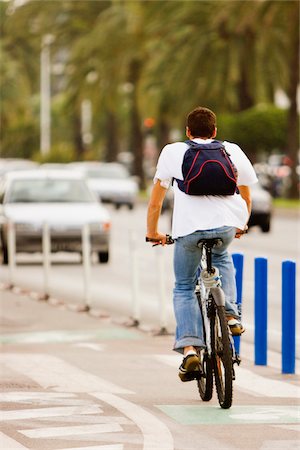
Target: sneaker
190, 368
235, 326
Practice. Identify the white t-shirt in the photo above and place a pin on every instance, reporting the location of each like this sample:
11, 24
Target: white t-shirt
205, 212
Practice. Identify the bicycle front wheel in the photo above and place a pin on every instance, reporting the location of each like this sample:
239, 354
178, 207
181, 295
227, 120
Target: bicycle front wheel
222, 357
205, 383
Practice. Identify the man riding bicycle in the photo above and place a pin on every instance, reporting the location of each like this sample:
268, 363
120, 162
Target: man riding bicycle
197, 217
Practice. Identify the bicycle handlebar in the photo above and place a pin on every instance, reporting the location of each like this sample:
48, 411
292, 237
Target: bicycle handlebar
169, 241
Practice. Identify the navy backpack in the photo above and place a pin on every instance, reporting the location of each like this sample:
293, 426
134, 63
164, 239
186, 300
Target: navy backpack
208, 170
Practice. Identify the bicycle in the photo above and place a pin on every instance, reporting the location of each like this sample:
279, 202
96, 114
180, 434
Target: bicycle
218, 357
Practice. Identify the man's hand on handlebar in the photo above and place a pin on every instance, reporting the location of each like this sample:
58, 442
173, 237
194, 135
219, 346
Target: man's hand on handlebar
240, 232
160, 239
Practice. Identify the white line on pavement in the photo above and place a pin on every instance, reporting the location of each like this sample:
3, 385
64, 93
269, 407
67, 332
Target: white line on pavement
248, 381
98, 447
71, 431
91, 419
90, 345
274, 358
34, 413
29, 396
8, 443
281, 444
254, 384
155, 433
52, 372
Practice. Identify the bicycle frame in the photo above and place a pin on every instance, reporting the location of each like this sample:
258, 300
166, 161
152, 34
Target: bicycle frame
209, 282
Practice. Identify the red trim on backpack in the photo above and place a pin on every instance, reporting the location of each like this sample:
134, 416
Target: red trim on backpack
201, 168
195, 159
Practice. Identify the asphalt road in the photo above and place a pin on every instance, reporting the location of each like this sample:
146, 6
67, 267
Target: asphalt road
72, 381
138, 280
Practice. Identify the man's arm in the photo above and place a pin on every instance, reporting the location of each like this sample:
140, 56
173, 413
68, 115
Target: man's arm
246, 195
154, 209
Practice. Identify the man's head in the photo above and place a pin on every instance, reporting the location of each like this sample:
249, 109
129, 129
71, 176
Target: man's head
201, 122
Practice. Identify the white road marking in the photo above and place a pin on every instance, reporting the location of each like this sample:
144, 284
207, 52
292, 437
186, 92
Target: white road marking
48, 412
8, 443
281, 444
254, 384
156, 435
248, 381
92, 419
22, 396
90, 345
52, 372
71, 431
98, 447
274, 358
290, 427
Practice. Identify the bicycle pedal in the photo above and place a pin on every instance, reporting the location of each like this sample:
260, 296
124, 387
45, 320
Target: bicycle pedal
237, 360
190, 376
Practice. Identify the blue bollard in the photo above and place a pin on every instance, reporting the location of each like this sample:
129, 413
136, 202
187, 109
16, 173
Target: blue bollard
260, 311
238, 261
288, 339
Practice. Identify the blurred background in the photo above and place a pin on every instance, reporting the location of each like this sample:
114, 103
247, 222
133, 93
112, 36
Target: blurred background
112, 81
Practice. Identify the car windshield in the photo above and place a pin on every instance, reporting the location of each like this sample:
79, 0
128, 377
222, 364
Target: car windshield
109, 172
49, 191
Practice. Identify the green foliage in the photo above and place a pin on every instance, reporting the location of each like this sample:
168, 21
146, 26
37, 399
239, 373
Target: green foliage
135, 59
257, 130
60, 153
19, 140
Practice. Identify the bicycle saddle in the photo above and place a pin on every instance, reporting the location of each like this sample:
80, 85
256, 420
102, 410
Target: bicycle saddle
210, 243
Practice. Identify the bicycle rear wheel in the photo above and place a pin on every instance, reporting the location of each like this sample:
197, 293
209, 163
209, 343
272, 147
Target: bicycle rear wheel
222, 357
205, 384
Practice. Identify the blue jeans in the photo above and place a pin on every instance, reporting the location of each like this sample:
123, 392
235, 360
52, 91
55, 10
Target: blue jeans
187, 255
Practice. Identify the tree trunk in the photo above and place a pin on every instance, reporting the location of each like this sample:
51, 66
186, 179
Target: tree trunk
163, 132
78, 142
136, 138
246, 94
112, 141
293, 122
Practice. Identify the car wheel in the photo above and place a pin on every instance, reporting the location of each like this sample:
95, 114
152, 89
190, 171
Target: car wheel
265, 227
4, 255
118, 205
103, 257
130, 206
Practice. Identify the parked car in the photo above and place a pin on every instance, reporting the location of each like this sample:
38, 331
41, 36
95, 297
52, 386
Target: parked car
13, 164
110, 181
61, 199
261, 207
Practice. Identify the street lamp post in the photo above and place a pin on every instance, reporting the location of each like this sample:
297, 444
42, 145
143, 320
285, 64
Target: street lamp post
45, 93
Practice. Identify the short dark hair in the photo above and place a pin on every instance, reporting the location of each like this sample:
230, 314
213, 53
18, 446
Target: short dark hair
201, 122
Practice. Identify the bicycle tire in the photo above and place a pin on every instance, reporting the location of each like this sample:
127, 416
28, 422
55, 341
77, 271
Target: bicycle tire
222, 358
205, 384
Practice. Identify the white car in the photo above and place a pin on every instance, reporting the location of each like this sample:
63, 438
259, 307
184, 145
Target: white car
261, 213
111, 182
13, 164
63, 200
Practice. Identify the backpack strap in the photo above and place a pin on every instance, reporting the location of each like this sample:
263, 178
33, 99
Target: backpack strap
210, 146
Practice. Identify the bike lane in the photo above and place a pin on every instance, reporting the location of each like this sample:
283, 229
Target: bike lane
115, 388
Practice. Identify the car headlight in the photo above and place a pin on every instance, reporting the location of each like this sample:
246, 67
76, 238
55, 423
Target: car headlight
98, 226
